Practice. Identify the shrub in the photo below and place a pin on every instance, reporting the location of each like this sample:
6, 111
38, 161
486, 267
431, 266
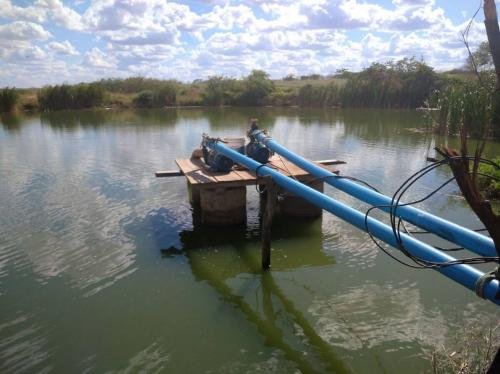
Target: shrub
463, 102
490, 180
164, 95
220, 90
79, 96
472, 350
8, 99
403, 84
257, 87
144, 99
281, 97
315, 96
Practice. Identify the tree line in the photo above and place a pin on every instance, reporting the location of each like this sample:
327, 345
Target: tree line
407, 83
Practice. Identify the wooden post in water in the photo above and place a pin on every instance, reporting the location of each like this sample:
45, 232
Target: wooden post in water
267, 220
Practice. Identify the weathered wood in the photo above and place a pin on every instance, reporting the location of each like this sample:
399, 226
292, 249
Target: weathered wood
168, 173
330, 162
493, 34
196, 172
465, 179
267, 220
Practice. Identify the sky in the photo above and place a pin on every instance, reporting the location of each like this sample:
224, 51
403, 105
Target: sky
52, 41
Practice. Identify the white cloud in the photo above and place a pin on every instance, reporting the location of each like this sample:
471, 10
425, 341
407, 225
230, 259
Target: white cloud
63, 48
97, 58
353, 14
31, 13
139, 22
31, 54
229, 18
61, 14
418, 18
413, 2
22, 30
346, 14
42, 11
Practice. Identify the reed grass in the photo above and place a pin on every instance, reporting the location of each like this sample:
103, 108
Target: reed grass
8, 99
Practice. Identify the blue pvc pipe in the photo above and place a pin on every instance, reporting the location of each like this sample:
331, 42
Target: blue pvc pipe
450, 231
466, 275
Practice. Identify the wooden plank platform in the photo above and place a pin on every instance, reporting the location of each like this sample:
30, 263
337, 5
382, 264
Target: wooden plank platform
169, 173
197, 173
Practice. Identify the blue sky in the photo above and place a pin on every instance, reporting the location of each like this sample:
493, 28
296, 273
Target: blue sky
53, 41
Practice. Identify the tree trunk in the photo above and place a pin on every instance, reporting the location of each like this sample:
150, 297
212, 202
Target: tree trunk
467, 184
493, 34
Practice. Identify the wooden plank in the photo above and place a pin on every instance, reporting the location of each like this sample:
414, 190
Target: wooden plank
227, 177
245, 175
330, 162
289, 169
168, 173
188, 164
197, 172
267, 221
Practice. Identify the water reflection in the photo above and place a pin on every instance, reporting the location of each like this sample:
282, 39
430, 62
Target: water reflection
11, 121
364, 124
277, 319
241, 240
23, 346
151, 359
71, 119
223, 117
368, 315
281, 324
220, 256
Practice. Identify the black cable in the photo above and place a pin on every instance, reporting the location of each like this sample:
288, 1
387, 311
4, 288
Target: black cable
397, 223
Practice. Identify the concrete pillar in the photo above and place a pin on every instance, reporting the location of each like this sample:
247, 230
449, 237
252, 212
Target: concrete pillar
223, 206
295, 206
194, 195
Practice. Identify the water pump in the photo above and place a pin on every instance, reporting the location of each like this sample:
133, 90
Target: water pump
214, 160
256, 150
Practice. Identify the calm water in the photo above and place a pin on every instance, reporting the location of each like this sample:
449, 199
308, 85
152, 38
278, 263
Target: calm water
101, 269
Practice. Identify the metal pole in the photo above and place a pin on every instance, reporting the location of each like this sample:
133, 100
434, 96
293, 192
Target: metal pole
464, 274
450, 231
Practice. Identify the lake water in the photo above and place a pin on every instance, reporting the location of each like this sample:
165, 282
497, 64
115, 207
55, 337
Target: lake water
101, 269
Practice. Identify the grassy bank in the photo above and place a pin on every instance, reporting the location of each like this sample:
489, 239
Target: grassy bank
402, 84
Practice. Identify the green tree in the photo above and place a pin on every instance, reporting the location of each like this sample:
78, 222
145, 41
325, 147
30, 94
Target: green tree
480, 58
257, 87
405, 83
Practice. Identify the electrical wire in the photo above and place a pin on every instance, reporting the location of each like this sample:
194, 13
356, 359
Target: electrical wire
398, 225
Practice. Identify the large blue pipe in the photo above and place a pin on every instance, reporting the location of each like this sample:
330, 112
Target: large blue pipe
464, 274
452, 232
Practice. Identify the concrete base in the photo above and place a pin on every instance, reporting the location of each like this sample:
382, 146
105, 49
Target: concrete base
298, 207
194, 195
221, 206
